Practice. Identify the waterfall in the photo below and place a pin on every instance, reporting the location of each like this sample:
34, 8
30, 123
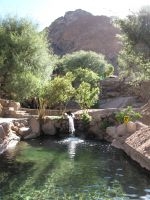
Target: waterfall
71, 141
71, 125
70, 117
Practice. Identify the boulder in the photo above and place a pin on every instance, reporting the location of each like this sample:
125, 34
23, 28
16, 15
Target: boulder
7, 127
48, 128
121, 130
24, 131
15, 128
112, 131
140, 125
1, 110
34, 126
15, 105
4, 102
118, 102
16, 124
22, 123
31, 136
137, 146
12, 140
131, 127
1, 141
2, 132
13, 136
94, 129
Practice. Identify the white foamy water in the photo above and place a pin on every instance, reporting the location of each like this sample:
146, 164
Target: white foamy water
72, 143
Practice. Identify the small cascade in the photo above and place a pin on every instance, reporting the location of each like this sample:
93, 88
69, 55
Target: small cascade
71, 141
71, 125
70, 117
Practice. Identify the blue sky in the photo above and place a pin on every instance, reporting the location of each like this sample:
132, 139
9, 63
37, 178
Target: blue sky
44, 12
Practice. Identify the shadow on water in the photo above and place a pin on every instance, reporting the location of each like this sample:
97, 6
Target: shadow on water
70, 168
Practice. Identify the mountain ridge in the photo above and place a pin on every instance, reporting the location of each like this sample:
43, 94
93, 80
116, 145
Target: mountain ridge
80, 30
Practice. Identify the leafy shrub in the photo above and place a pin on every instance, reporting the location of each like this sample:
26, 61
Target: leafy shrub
86, 118
106, 122
127, 114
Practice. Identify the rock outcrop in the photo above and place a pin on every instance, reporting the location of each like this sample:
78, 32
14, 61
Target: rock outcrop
10, 108
80, 30
116, 93
134, 140
137, 146
8, 137
145, 111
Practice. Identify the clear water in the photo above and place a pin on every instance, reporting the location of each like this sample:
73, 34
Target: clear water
70, 169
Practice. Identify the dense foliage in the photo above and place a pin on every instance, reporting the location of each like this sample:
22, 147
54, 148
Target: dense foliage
26, 67
88, 68
86, 96
85, 75
134, 59
24, 57
85, 60
59, 91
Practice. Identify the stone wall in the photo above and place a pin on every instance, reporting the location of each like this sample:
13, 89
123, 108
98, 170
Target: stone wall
32, 128
48, 112
60, 126
10, 108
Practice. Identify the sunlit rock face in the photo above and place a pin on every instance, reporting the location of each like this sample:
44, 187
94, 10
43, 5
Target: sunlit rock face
134, 139
80, 30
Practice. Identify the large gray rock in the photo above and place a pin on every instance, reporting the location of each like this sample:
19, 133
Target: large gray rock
4, 102
48, 128
140, 125
1, 110
118, 102
137, 146
34, 126
2, 132
24, 131
121, 130
33, 131
131, 127
7, 127
94, 129
112, 131
15, 105
31, 136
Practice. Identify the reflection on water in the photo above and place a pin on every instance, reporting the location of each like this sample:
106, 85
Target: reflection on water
70, 169
72, 143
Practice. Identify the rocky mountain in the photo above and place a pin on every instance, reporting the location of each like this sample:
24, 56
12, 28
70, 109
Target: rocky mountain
80, 30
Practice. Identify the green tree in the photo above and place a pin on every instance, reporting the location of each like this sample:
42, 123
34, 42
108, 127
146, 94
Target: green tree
85, 75
134, 59
85, 60
59, 91
86, 96
24, 57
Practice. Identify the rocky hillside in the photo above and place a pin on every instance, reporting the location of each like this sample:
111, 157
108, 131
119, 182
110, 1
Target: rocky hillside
80, 30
